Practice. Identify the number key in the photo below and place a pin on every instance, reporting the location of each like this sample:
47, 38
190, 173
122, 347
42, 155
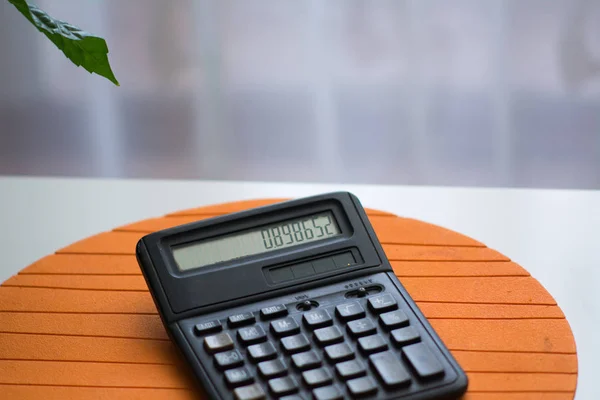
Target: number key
272, 368
262, 351
339, 352
295, 344
250, 392
317, 377
361, 386
350, 369
306, 360
238, 376
283, 386
329, 335
327, 393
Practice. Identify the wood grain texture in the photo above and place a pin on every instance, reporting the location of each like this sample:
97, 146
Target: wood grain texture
80, 323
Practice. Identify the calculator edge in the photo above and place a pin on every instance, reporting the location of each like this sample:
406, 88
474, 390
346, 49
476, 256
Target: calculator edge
460, 384
183, 347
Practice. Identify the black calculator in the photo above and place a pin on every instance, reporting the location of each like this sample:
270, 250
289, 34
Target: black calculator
294, 300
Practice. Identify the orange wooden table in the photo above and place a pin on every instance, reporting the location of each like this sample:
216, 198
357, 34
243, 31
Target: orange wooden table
80, 323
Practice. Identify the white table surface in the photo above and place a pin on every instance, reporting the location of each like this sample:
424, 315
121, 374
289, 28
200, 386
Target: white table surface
554, 234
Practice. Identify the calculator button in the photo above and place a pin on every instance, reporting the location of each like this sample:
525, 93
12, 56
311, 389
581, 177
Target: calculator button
339, 352
306, 360
274, 311
423, 361
295, 344
350, 369
329, 335
372, 344
389, 369
251, 334
404, 336
361, 327
317, 319
393, 319
241, 319
283, 386
284, 327
207, 327
327, 393
218, 342
262, 351
228, 359
250, 392
317, 377
237, 377
383, 302
361, 386
272, 368
349, 311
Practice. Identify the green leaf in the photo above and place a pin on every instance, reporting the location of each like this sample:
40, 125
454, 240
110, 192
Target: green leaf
82, 48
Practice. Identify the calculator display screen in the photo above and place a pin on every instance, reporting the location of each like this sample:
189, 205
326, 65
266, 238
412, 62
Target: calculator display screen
281, 235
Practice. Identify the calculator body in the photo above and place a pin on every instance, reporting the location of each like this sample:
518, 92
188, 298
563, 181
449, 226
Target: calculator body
295, 300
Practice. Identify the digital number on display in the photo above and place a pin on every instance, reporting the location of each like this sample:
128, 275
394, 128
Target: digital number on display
303, 231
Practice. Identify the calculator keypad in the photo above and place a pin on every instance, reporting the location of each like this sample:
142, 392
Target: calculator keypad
371, 346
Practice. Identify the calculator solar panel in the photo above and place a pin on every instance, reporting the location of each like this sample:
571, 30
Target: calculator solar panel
325, 319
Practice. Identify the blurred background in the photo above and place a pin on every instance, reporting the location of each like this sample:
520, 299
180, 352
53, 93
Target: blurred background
423, 92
